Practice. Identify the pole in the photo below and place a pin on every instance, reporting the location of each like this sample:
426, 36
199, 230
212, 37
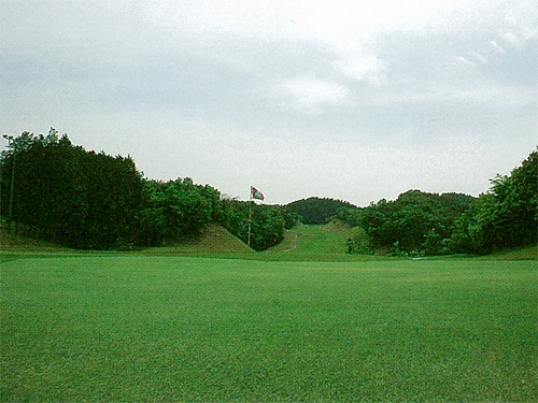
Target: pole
12, 187
249, 222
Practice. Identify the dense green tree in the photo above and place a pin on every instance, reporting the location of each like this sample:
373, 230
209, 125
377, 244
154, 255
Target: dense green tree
68, 195
63, 193
112, 195
473, 230
267, 227
358, 243
82, 199
352, 215
416, 222
504, 217
291, 219
516, 197
177, 209
315, 210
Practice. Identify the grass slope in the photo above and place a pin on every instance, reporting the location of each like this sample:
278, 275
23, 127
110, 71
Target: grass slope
302, 243
528, 253
16, 243
314, 242
134, 328
213, 239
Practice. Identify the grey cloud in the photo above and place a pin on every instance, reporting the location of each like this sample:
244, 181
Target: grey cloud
300, 113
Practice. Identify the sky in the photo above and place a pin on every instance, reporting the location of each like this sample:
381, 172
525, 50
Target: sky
352, 100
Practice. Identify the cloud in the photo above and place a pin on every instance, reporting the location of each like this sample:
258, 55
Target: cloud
479, 57
309, 94
323, 89
465, 61
498, 48
366, 68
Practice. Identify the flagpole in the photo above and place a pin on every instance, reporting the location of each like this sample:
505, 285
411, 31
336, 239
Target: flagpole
249, 222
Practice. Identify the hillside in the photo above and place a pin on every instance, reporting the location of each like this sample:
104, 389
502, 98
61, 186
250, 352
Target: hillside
327, 242
303, 242
18, 243
213, 239
315, 242
528, 253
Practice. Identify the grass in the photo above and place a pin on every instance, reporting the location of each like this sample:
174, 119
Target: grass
315, 242
527, 253
150, 328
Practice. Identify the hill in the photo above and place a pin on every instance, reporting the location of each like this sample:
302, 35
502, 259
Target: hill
528, 253
303, 242
315, 242
212, 239
19, 243
327, 242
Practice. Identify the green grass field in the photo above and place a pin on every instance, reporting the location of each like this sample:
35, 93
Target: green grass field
153, 328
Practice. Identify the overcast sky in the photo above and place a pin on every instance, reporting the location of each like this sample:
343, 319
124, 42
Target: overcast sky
353, 100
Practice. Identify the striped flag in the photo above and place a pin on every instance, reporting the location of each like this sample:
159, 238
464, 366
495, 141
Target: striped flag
256, 194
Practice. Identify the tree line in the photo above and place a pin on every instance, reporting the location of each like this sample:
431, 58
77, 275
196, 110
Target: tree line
54, 190
420, 223
317, 210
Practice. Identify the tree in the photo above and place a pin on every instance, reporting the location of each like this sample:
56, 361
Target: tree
504, 217
268, 223
516, 197
473, 230
358, 243
70, 196
177, 209
416, 222
111, 189
315, 210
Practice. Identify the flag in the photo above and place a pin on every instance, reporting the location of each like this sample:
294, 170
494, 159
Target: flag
256, 194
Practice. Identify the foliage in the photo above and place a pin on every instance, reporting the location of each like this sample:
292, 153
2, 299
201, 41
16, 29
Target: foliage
68, 195
418, 223
65, 194
506, 216
351, 215
82, 199
176, 209
358, 243
267, 226
315, 210
415, 223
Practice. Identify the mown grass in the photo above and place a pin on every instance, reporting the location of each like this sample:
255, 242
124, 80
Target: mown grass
134, 328
314, 243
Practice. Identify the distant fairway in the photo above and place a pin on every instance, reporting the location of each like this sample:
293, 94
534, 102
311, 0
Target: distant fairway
133, 328
314, 242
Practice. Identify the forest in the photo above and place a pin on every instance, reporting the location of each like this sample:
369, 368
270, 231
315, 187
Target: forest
56, 191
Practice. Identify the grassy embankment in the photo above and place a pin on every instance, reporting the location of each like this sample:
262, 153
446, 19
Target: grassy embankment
302, 243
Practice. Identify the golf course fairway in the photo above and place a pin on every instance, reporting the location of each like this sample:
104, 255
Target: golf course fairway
138, 328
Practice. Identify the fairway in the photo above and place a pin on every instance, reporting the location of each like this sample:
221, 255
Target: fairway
133, 328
